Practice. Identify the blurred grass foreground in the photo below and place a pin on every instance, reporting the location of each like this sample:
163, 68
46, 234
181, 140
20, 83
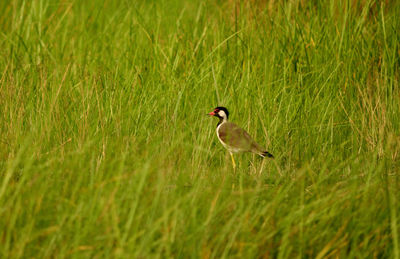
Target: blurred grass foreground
106, 152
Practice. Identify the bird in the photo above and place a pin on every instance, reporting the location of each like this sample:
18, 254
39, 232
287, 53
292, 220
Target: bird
234, 138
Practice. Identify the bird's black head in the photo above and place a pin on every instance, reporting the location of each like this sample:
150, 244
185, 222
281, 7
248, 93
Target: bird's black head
220, 112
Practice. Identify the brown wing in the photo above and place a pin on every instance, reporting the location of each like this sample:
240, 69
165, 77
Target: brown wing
238, 138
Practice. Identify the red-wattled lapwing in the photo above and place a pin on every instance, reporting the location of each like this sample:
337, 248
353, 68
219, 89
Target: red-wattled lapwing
234, 138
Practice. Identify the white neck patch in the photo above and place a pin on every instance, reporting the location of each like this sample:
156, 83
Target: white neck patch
222, 114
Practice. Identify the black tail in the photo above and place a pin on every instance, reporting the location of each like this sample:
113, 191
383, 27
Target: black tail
267, 154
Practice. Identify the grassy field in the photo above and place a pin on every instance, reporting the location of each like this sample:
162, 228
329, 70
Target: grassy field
106, 150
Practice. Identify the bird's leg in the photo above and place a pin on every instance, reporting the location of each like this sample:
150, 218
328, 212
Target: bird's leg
262, 167
233, 161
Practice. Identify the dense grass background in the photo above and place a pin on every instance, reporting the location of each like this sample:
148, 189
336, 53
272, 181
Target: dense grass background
105, 149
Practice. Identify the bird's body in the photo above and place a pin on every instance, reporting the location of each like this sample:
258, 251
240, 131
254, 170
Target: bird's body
234, 138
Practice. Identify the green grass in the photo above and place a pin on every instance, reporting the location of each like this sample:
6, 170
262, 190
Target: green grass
106, 152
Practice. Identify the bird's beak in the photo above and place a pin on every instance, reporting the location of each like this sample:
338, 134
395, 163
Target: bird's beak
211, 113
